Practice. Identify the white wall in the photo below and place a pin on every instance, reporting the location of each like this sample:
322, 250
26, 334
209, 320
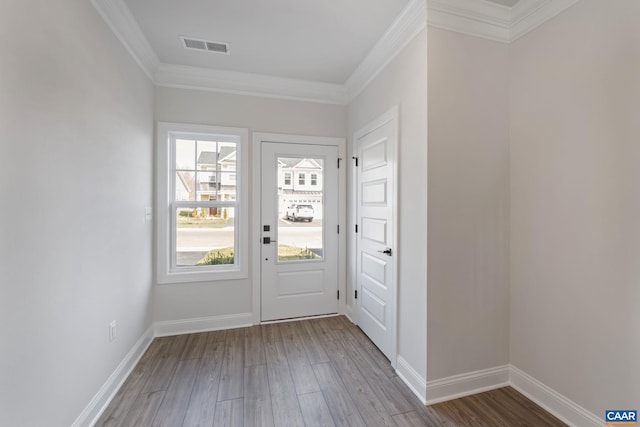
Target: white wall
575, 204
76, 128
468, 292
403, 83
219, 298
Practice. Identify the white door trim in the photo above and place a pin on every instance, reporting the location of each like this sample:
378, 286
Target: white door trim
352, 311
256, 211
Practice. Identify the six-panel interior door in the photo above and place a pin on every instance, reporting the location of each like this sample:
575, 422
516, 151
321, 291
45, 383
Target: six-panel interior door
374, 252
299, 235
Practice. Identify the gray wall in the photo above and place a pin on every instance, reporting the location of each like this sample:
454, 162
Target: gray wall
468, 298
532, 175
76, 135
468, 292
575, 204
403, 83
217, 298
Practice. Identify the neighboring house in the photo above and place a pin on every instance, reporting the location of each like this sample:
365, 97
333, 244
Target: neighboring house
184, 186
300, 182
219, 181
216, 179
299, 174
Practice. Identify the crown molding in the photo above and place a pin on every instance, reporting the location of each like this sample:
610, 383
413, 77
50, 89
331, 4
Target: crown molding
479, 18
530, 14
185, 77
483, 19
118, 17
488, 20
411, 21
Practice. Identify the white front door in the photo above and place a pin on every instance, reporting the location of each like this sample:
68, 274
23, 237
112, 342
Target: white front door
299, 236
375, 148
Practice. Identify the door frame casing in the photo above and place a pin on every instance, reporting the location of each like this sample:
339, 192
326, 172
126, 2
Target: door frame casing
391, 115
256, 211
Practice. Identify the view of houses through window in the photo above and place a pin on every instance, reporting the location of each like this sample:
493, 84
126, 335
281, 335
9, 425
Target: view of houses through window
300, 208
205, 204
205, 194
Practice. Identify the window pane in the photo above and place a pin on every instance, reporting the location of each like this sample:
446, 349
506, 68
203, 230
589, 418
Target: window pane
300, 228
227, 190
185, 185
227, 156
185, 154
207, 155
205, 236
207, 185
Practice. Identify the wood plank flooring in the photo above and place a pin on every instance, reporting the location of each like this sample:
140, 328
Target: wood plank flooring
318, 372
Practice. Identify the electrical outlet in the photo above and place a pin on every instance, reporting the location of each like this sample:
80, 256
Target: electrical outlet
112, 331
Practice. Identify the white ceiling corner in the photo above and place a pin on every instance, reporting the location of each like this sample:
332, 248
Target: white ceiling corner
407, 25
530, 14
480, 18
476, 18
493, 21
117, 16
186, 77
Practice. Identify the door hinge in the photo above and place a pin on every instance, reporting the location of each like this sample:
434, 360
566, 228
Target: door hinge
338, 294
339, 158
356, 228
356, 294
338, 228
356, 159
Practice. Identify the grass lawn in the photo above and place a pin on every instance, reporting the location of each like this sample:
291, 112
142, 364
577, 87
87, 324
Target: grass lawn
292, 253
285, 253
196, 222
217, 257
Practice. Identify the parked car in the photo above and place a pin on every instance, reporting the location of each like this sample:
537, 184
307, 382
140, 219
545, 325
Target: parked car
299, 213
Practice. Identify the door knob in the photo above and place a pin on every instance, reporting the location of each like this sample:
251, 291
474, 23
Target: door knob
386, 251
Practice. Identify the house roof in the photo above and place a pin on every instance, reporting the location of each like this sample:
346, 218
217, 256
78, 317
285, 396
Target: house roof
226, 153
187, 180
208, 158
289, 163
212, 157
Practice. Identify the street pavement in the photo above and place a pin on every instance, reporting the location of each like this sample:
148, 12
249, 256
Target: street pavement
194, 243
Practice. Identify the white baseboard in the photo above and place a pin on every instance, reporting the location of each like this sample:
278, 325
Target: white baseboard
101, 400
437, 391
467, 384
203, 324
412, 379
348, 312
553, 402
488, 379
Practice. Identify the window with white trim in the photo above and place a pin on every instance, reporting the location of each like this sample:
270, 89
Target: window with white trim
202, 203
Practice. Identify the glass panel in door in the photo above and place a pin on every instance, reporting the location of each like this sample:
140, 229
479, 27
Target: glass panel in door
300, 209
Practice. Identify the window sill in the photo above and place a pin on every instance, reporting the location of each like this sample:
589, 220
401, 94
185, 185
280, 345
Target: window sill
200, 276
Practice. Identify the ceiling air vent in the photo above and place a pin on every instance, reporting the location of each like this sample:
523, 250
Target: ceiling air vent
208, 46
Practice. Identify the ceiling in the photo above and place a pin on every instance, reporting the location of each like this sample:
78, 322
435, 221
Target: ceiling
319, 51
508, 3
321, 41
